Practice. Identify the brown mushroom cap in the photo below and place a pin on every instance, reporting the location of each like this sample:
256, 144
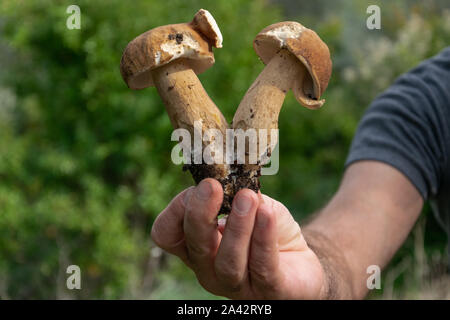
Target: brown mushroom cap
189, 41
306, 45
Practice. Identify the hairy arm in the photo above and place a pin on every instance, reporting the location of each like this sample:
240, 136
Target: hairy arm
364, 224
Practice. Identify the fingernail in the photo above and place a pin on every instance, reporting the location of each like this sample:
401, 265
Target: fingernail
242, 204
204, 190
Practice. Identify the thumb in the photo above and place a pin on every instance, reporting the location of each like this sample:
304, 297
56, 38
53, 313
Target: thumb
290, 237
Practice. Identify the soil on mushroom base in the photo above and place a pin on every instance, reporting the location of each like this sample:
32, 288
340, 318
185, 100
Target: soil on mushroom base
240, 177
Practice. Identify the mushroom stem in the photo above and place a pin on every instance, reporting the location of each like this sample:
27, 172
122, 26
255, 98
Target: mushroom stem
185, 98
260, 108
186, 101
261, 105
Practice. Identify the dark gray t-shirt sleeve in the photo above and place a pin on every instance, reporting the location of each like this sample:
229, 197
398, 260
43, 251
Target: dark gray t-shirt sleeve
408, 126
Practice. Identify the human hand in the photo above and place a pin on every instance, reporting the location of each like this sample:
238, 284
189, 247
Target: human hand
259, 254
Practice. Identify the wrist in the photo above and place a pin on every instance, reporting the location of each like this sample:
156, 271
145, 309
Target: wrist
337, 280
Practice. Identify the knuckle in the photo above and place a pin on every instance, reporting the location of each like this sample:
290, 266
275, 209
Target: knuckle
196, 251
268, 281
260, 272
229, 276
260, 244
160, 230
189, 210
159, 234
156, 236
238, 229
194, 217
263, 275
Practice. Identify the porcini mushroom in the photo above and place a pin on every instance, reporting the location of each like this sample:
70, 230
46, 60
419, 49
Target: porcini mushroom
296, 58
169, 57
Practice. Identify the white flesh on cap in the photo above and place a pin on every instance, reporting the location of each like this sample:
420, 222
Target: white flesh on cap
286, 32
215, 28
188, 48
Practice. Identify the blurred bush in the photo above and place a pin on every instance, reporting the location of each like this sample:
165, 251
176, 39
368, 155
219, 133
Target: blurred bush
84, 166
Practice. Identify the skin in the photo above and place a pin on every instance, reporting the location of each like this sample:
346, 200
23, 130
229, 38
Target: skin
262, 253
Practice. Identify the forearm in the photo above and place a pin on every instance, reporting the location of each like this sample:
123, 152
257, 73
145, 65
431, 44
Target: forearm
364, 224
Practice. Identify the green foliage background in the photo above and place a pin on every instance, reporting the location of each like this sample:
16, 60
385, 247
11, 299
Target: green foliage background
84, 161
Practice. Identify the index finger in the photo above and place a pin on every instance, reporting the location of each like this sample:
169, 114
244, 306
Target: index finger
200, 228
167, 230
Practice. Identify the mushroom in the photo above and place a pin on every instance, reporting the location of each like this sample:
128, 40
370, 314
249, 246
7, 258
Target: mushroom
296, 58
169, 57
